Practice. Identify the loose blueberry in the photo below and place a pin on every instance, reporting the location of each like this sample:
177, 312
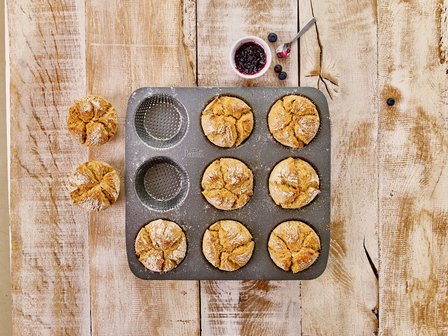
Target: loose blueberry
272, 37
282, 75
278, 68
390, 101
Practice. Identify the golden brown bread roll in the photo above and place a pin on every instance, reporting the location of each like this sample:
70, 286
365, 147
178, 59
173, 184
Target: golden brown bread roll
95, 185
92, 120
227, 245
227, 121
227, 184
293, 183
293, 121
293, 245
161, 245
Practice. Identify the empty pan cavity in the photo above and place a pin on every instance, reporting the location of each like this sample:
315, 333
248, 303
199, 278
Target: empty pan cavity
161, 121
161, 184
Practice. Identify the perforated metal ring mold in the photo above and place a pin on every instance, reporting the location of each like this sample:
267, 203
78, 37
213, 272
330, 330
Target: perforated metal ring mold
161, 184
161, 121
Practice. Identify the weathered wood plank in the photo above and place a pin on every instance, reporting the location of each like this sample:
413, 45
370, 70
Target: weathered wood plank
247, 307
132, 44
5, 280
413, 68
339, 57
49, 237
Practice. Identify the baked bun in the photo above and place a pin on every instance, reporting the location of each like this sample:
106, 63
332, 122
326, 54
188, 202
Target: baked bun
227, 121
161, 245
94, 185
293, 183
227, 245
293, 121
293, 246
92, 120
227, 184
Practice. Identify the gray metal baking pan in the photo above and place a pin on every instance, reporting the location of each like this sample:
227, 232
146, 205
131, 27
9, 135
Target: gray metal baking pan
167, 152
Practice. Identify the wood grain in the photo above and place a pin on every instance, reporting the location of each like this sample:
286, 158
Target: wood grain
131, 44
413, 141
343, 64
49, 237
5, 280
245, 307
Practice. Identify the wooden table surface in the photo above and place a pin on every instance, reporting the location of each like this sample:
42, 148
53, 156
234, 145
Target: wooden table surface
388, 266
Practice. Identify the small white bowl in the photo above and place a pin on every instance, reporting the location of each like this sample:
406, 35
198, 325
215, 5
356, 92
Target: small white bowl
262, 44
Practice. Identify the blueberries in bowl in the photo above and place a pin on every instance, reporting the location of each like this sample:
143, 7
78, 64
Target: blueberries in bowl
250, 58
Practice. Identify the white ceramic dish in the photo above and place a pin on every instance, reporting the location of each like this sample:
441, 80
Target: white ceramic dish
262, 44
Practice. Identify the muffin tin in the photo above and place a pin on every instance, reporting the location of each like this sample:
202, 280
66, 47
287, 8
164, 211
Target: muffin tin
167, 153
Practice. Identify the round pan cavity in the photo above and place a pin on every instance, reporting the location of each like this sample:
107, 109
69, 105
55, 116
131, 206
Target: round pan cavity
161, 184
161, 121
